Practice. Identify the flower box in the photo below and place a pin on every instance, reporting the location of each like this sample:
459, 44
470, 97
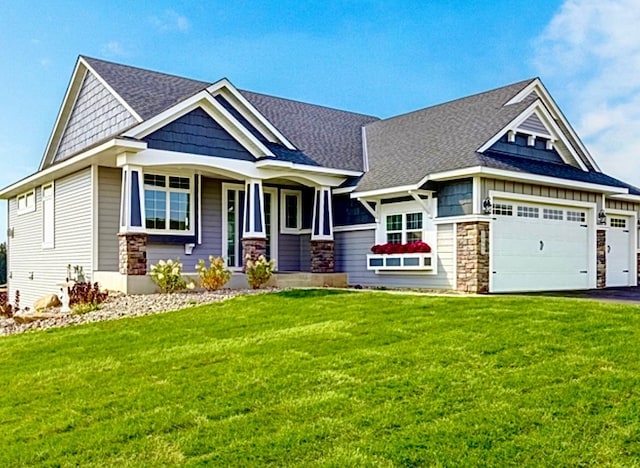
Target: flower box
400, 261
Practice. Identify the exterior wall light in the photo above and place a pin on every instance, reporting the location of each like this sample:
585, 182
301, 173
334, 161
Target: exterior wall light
487, 206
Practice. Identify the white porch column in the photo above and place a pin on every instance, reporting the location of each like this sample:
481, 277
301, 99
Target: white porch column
322, 215
254, 233
132, 200
322, 244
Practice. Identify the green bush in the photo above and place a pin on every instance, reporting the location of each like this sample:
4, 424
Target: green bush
259, 271
168, 276
214, 277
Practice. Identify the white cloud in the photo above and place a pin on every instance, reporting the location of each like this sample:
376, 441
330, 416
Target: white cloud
590, 51
170, 21
113, 49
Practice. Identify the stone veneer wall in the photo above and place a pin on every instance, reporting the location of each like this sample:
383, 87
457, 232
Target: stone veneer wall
472, 272
254, 247
322, 256
132, 254
601, 258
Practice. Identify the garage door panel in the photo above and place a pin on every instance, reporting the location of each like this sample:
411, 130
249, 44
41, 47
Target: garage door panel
538, 254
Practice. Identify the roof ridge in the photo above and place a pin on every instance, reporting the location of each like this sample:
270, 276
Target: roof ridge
523, 83
335, 109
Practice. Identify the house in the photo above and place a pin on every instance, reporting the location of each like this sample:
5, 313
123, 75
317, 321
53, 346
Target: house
143, 166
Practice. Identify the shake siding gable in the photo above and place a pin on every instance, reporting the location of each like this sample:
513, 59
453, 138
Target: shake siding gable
97, 114
73, 240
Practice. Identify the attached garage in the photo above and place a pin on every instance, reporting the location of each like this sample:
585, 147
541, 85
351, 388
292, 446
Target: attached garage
541, 247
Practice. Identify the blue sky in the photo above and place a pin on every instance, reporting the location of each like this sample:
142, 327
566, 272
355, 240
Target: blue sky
375, 57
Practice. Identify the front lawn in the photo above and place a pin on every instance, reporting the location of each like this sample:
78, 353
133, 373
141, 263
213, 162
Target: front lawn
331, 378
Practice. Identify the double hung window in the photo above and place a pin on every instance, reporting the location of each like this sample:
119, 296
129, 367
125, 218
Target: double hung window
167, 201
403, 228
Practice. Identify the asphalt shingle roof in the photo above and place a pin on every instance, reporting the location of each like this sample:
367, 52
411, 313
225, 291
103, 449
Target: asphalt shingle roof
403, 149
324, 136
147, 92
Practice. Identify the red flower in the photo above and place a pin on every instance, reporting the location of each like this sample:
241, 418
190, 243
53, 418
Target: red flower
411, 247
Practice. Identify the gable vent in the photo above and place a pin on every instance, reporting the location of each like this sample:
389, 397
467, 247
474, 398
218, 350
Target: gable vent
533, 125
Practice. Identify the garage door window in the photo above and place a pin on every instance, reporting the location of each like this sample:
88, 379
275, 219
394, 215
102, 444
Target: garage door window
618, 223
528, 212
549, 213
576, 216
503, 209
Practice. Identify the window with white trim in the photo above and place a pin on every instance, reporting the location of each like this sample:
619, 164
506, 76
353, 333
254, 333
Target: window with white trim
290, 211
403, 228
27, 202
167, 203
48, 216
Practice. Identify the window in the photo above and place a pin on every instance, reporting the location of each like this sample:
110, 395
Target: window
502, 209
549, 213
404, 228
528, 212
167, 201
47, 216
618, 223
291, 211
27, 202
576, 216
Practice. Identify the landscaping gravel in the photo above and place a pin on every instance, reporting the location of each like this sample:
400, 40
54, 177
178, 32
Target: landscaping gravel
120, 305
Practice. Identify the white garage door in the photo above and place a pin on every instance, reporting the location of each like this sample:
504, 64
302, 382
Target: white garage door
618, 251
539, 247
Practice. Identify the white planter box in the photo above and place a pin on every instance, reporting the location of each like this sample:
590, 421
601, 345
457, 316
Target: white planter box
399, 262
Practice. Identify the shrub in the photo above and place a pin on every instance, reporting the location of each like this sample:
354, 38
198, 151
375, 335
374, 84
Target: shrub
84, 293
214, 277
168, 276
259, 271
6, 310
80, 309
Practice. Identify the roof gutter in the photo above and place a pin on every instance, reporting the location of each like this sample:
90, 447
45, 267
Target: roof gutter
497, 173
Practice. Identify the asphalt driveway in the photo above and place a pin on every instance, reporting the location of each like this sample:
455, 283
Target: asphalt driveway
627, 295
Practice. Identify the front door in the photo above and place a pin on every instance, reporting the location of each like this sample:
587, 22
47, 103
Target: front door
232, 221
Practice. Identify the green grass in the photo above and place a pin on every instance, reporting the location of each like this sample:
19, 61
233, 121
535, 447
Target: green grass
331, 378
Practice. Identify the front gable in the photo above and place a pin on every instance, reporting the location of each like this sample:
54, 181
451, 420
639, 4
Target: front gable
198, 133
536, 134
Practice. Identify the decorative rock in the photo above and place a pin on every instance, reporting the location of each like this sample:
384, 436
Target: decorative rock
28, 318
47, 302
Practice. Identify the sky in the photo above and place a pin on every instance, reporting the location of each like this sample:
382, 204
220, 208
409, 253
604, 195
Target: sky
376, 57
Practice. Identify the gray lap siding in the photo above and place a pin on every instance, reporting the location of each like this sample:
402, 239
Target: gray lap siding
35, 270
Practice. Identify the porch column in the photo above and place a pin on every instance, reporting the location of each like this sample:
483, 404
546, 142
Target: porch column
322, 243
132, 240
254, 237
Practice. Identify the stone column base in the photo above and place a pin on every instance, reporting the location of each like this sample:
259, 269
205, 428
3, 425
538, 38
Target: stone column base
132, 253
253, 247
322, 256
601, 258
472, 267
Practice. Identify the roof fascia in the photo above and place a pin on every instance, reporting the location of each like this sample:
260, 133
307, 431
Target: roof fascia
536, 85
538, 108
270, 163
497, 173
70, 96
626, 197
248, 111
72, 164
216, 111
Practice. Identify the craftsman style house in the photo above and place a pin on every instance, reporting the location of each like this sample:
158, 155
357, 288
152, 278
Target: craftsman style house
489, 193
